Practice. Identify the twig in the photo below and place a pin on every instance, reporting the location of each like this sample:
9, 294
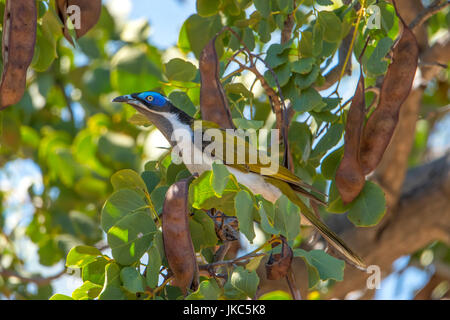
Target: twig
290, 279
230, 262
38, 280
428, 13
333, 75
68, 101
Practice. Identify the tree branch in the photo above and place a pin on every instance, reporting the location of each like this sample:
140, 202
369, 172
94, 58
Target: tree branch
423, 16
38, 280
422, 216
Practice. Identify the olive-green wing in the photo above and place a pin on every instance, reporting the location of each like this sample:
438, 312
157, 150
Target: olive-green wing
261, 163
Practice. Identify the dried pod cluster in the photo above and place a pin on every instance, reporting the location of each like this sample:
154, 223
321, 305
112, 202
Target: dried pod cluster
278, 265
226, 227
88, 10
213, 101
19, 38
364, 147
177, 239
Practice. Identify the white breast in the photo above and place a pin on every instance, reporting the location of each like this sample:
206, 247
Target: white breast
253, 181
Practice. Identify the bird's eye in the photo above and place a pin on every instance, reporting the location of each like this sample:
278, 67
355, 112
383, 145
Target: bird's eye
149, 98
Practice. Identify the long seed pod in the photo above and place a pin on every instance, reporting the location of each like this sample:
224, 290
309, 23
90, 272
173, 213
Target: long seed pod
83, 13
278, 265
213, 101
177, 239
350, 177
19, 39
395, 89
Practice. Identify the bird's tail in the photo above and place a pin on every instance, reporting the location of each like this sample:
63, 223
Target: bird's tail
329, 235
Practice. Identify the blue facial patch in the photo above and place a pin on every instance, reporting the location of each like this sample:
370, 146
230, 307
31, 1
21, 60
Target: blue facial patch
153, 98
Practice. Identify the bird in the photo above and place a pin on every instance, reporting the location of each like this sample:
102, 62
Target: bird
270, 184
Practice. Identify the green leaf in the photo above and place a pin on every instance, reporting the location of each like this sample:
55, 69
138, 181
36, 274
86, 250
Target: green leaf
244, 213
245, 124
287, 218
59, 296
87, 291
387, 16
202, 230
208, 290
132, 280
245, 281
111, 289
302, 66
254, 263
329, 140
95, 271
309, 99
158, 196
119, 204
180, 70
196, 25
276, 295
335, 202
266, 212
129, 179
249, 38
276, 55
300, 140
331, 163
286, 6
263, 6
207, 8
151, 179
181, 100
325, 2
283, 74
264, 31
202, 195
377, 64
239, 89
306, 44
46, 38
328, 267
81, 256
131, 237
219, 178
304, 81
369, 207
153, 267
331, 25
317, 39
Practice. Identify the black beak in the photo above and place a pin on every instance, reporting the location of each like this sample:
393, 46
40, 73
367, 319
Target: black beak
125, 98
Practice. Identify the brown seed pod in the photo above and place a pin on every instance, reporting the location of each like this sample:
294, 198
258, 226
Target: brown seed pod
395, 89
177, 239
278, 265
213, 101
89, 12
350, 177
19, 38
226, 227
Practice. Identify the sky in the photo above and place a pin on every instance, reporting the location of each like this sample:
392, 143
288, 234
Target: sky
165, 18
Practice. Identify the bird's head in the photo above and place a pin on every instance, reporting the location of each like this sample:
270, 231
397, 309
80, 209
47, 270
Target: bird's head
158, 109
146, 101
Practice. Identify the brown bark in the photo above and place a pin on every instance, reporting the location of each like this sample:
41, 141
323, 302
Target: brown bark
422, 216
418, 205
